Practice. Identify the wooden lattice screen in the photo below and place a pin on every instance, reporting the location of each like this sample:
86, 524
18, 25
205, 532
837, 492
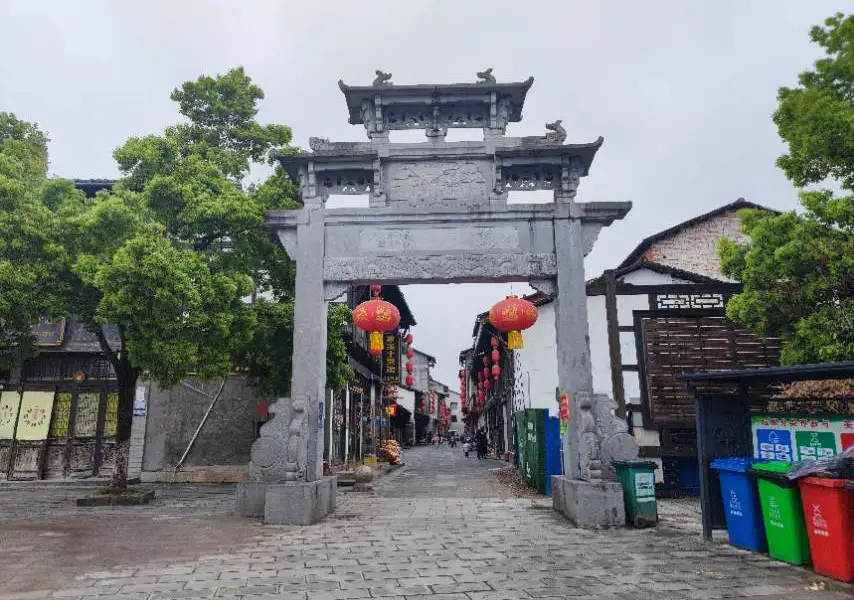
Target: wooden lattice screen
673, 345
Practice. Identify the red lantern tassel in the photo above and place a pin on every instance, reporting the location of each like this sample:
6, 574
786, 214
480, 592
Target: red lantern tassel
376, 342
514, 340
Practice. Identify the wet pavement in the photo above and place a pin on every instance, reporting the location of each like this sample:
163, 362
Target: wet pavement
440, 528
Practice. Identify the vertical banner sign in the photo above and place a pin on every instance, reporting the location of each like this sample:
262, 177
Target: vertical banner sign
320, 407
139, 401
563, 403
391, 357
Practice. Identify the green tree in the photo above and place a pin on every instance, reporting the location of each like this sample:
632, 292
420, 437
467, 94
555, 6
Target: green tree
172, 253
798, 269
28, 255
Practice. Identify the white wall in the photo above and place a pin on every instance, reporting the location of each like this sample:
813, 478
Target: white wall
539, 360
539, 356
406, 398
454, 397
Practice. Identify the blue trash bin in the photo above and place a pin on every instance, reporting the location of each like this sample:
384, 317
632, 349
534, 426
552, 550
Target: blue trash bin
744, 521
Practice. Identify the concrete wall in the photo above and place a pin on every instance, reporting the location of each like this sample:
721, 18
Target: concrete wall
694, 249
224, 441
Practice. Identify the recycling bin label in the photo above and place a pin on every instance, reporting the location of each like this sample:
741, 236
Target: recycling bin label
775, 444
815, 444
645, 487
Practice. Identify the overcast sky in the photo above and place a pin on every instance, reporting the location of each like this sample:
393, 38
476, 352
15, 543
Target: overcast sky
682, 91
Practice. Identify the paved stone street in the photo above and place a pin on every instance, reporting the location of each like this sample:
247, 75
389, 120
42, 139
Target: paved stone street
440, 528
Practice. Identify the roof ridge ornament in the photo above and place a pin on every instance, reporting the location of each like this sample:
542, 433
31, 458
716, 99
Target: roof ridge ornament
486, 76
382, 79
556, 133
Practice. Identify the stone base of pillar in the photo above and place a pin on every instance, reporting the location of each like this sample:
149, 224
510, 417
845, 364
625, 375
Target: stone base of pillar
591, 504
303, 503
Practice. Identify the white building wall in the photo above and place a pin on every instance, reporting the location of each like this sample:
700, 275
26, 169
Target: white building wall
406, 399
538, 360
539, 356
454, 398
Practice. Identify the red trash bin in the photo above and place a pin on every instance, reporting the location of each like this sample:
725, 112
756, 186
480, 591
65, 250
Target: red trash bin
829, 516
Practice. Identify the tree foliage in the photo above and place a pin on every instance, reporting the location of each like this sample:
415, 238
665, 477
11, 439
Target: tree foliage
29, 256
170, 255
798, 269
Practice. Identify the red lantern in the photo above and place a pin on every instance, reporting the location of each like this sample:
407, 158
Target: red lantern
409, 381
410, 353
485, 361
496, 372
513, 315
486, 372
409, 367
409, 339
496, 356
487, 384
376, 289
494, 342
377, 317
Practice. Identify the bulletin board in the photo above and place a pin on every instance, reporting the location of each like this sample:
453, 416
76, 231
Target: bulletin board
795, 437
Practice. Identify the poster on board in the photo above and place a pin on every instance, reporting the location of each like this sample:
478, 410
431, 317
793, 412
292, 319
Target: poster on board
794, 438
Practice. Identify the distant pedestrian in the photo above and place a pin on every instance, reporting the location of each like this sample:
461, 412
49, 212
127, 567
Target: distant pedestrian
480, 442
466, 449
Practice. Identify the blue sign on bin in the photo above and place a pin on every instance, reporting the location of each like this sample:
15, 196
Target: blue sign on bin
775, 444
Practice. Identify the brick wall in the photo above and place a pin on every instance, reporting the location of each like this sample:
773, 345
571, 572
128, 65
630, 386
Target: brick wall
695, 249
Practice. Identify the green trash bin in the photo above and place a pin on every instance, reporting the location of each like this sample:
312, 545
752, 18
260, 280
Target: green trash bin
782, 513
638, 480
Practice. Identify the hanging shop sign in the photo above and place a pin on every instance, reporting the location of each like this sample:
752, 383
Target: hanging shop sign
391, 357
50, 332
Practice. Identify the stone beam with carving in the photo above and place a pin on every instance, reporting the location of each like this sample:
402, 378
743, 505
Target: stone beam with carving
455, 244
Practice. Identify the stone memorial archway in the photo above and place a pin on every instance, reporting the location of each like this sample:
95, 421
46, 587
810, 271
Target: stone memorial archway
438, 214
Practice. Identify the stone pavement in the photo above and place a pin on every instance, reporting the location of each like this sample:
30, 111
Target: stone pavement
439, 528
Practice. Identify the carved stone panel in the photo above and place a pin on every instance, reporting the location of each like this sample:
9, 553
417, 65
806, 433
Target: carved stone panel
433, 181
449, 239
544, 177
346, 182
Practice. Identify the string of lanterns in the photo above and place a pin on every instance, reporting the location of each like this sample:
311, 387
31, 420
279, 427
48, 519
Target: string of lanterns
410, 366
